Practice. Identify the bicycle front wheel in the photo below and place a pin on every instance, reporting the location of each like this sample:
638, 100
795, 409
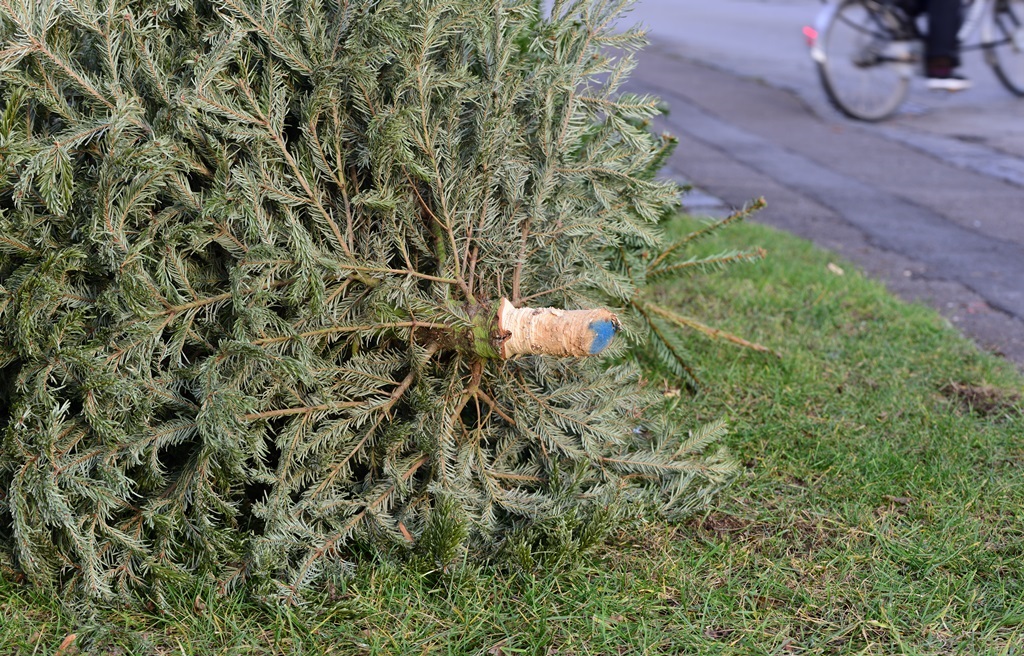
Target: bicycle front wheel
1004, 45
862, 60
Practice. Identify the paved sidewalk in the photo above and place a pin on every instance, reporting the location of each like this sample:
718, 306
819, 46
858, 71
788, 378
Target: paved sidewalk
932, 228
763, 40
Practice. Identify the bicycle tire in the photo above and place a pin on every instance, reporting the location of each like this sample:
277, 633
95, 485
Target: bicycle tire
1004, 44
859, 87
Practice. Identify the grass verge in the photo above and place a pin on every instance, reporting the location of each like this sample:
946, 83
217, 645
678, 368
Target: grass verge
881, 511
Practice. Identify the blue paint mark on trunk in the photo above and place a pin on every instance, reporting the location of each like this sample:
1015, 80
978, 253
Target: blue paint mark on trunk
603, 332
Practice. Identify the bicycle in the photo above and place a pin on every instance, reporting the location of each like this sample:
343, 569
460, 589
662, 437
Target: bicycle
867, 51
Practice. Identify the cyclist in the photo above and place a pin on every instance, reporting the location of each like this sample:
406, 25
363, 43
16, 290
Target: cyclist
942, 50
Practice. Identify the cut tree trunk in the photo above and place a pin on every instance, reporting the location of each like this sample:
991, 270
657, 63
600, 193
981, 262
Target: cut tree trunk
550, 331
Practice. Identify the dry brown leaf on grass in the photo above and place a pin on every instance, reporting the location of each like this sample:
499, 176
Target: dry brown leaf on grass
67, 646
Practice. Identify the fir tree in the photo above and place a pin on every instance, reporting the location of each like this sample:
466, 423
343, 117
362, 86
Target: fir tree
252, 263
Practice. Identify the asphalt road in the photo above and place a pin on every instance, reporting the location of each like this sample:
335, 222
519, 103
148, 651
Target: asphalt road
931, 202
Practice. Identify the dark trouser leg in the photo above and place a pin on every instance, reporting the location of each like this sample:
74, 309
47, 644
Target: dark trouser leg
913, 7
943, 24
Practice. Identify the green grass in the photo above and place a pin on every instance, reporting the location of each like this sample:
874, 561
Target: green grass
881, 511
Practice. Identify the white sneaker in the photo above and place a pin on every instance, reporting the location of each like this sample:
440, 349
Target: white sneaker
951, 82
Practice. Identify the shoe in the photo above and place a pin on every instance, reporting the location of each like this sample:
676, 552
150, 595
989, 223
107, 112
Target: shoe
947, 81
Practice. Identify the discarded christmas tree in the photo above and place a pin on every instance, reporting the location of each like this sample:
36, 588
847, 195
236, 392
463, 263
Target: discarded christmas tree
259, 272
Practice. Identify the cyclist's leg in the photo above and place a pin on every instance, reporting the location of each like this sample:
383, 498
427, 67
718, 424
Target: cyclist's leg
913, 7
944, 18
942, 49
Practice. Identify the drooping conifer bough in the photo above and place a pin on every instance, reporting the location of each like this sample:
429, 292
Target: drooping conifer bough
266, 271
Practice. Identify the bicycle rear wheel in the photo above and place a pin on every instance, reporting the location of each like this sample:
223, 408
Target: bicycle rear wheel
863, 61
1004, 45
